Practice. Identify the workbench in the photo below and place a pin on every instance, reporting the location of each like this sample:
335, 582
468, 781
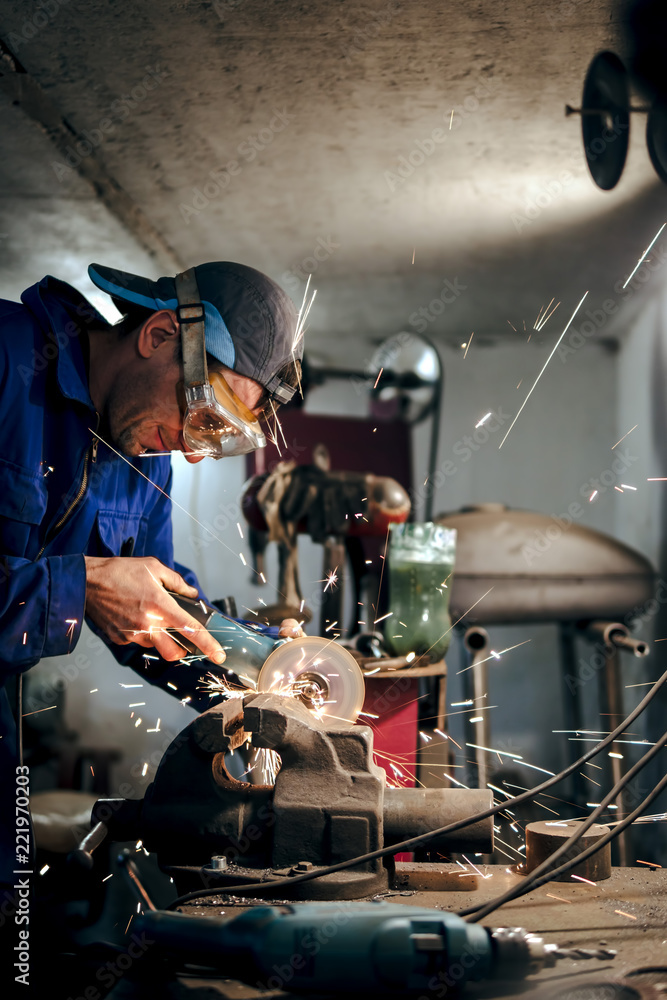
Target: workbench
571, 914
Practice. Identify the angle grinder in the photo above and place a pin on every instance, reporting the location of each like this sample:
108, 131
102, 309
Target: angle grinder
316, 670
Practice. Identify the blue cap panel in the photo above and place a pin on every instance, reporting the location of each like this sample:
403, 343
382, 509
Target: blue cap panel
149, 295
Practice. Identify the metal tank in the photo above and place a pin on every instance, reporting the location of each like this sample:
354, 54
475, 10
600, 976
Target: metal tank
541, 568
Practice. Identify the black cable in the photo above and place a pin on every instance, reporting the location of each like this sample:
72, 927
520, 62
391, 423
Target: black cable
528, 884
618, 829
425, 838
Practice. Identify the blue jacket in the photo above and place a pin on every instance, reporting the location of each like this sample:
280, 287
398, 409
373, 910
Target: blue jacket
61, 498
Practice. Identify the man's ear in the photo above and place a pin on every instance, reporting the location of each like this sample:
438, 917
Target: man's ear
159, 329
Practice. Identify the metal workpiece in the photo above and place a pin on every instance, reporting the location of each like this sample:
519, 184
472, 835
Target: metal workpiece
412, 811
545, 837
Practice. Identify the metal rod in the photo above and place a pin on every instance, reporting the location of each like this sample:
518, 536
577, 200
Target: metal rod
438, 391
412, 811
611, 711
475, 684
572, 717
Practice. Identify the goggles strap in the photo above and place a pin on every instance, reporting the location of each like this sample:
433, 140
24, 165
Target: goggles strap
190, 314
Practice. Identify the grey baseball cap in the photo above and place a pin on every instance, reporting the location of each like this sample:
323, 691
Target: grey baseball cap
250, 321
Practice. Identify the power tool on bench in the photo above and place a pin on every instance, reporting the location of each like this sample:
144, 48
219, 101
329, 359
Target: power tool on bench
324, 948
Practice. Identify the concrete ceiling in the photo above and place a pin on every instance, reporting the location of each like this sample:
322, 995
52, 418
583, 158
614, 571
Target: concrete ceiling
320, 106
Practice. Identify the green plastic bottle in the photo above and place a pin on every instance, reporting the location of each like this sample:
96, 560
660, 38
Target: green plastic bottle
420, 562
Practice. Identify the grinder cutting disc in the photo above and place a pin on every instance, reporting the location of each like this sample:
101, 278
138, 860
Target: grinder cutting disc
322, 674
605, 119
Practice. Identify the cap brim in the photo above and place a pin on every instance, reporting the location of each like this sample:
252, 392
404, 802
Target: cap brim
123, 285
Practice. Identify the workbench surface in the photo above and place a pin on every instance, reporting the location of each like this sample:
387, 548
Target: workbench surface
571, 914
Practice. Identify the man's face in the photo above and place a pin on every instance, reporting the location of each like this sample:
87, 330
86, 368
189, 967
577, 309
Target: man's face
145, 408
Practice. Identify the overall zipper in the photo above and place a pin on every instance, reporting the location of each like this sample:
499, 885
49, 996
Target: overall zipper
91, 456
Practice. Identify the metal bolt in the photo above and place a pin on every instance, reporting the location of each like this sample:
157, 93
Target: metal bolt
303, 866
218, 862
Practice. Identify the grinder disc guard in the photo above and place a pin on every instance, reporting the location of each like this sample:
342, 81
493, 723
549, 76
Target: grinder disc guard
322, 674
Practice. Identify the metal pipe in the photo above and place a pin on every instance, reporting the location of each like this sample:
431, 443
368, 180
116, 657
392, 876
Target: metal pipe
438, 393
611, 712
615, 634
572, 711
475, 687
409, 812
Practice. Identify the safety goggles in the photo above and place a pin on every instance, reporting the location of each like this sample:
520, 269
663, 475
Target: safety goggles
216, 423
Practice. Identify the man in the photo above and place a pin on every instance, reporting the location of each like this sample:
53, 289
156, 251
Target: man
85, 525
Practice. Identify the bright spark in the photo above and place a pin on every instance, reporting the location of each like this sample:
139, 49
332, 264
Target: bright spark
546, 317
543, 369
643, 256
494, 656
503, 753
624, 436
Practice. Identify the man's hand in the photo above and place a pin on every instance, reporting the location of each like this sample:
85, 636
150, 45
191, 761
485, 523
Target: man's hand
127, 598
290, 629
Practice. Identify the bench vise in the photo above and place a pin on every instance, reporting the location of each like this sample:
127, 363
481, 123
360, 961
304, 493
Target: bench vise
329, 803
